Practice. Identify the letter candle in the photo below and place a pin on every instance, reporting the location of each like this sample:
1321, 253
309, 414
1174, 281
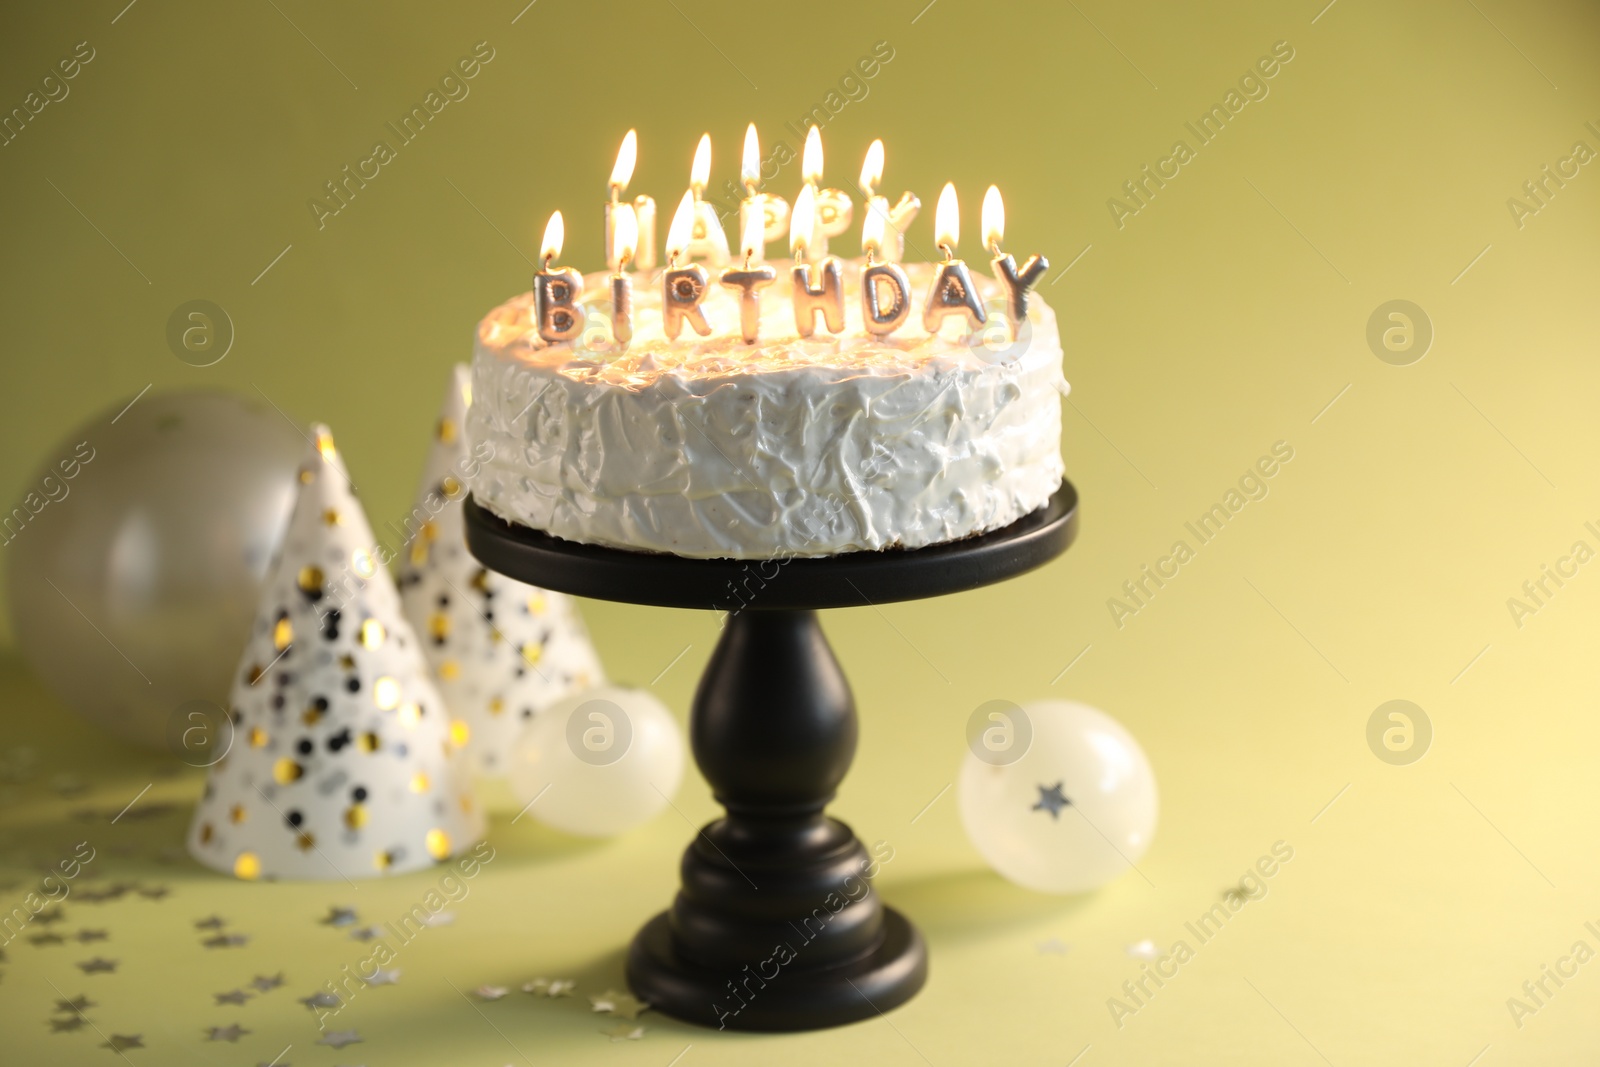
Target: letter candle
625, 239
644, 207
1016, 283
952, 293
556, 289
826, 293
774, 210
706, 238
832, 212
752, 279
899, 217
682, 288
880, 318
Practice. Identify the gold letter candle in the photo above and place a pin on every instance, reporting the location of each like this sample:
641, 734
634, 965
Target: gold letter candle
952, 287
832, 209
622, 249
556, 291
899, 217
817, 286
1016, 283
706, 239
751, 280
772, 210
885, 289
682, 288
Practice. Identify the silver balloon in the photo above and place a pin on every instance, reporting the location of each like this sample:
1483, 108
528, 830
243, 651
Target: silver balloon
138, 551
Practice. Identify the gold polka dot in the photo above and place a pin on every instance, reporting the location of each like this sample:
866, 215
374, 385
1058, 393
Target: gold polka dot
537, 604
383, 860
460, 733
206, 833
368, 742
347, 661
386, 693
439, 625
331, 517
372, 633
311, 716
253, 675
451, 487
247, 866
419, 552
305, 842
287, 770
410, 715
282, 633
533, 653
306, 475
447, 430
355, 816
237, 814
310, 578
496, 706
480, 581
449, 670
466, 803
419, 782
438, 844
258, 737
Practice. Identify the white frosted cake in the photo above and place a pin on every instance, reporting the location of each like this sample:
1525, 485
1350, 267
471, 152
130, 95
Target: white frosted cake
711, 447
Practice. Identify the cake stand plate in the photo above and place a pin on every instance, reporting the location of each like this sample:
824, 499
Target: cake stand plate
776, 925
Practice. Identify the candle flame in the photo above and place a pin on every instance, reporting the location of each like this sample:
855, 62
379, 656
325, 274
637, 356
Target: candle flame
624, 234
750, 165
872, 169
627, 156
802, 219
872, 230
994, 219
752, 240
325, 445
811, 157
700, 173
555, 234
682, 227
947, 219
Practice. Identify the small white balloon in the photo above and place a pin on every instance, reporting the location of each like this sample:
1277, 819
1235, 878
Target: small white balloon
1071, 806
599, 762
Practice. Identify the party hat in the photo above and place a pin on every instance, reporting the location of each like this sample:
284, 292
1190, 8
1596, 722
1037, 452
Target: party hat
343, 761
500, 650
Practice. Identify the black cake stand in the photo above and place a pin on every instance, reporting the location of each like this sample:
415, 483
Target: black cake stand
775, 927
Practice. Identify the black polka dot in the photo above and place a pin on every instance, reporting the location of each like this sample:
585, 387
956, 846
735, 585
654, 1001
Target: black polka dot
320, 703
353, 684
444, 601
359, 793
295, 818
305, 747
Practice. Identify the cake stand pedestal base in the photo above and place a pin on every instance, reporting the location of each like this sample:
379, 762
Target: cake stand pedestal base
776, 925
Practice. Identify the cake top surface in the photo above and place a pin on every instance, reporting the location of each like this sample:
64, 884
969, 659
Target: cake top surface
509, 332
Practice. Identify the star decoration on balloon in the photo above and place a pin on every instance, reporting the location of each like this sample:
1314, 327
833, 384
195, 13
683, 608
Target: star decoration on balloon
339, 1038
232, 1032
623, 1005
121, 1043
1052, 800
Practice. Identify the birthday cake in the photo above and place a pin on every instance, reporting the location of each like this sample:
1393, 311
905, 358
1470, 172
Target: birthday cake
883, 430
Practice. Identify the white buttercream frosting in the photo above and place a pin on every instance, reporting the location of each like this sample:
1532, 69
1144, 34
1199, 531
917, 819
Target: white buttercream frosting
710, 447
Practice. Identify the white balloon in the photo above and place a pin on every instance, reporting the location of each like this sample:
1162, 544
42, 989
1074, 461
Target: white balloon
1076, 809
599, 762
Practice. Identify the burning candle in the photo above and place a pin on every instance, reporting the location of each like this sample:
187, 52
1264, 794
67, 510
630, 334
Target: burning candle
832, 212
773, 210
644, 208
1016, 283
817, 286
556, 289
899, 217
706, 237
625, 239
682, 288
885, 289
952, 293
752, 279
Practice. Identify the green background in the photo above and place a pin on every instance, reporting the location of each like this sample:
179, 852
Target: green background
1223, 317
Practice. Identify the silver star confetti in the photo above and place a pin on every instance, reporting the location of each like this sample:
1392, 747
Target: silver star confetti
86, 936
366, 933
225, 941
77, 1003
622, 1005
624, 1032
379, 976
233, 996
66, 1026
120, 1043
490, 992
339, 1038
215, 922
47, 939
97, 966
232, 1032
338, 916
550, 987
320, 999
263, 984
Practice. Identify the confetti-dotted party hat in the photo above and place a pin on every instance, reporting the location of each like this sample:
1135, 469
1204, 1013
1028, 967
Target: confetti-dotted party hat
344, 762
499, 649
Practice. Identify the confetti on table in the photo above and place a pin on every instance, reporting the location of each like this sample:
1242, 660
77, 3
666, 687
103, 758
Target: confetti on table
366, 933
233, 996
97, 966
232, 1032
1144, 950
47, 939
490, 992
1052, 946
379, 976
550, 987
623, 1005
264, 984
48, 916
67, 1025
338, 916
624, 1032
154, 892
320, 999
121, 1043
440, 918
215, 922
340, 1038
225, 941
86, 936
77, 1003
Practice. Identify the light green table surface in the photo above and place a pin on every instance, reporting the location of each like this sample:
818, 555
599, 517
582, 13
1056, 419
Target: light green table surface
1224, 316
